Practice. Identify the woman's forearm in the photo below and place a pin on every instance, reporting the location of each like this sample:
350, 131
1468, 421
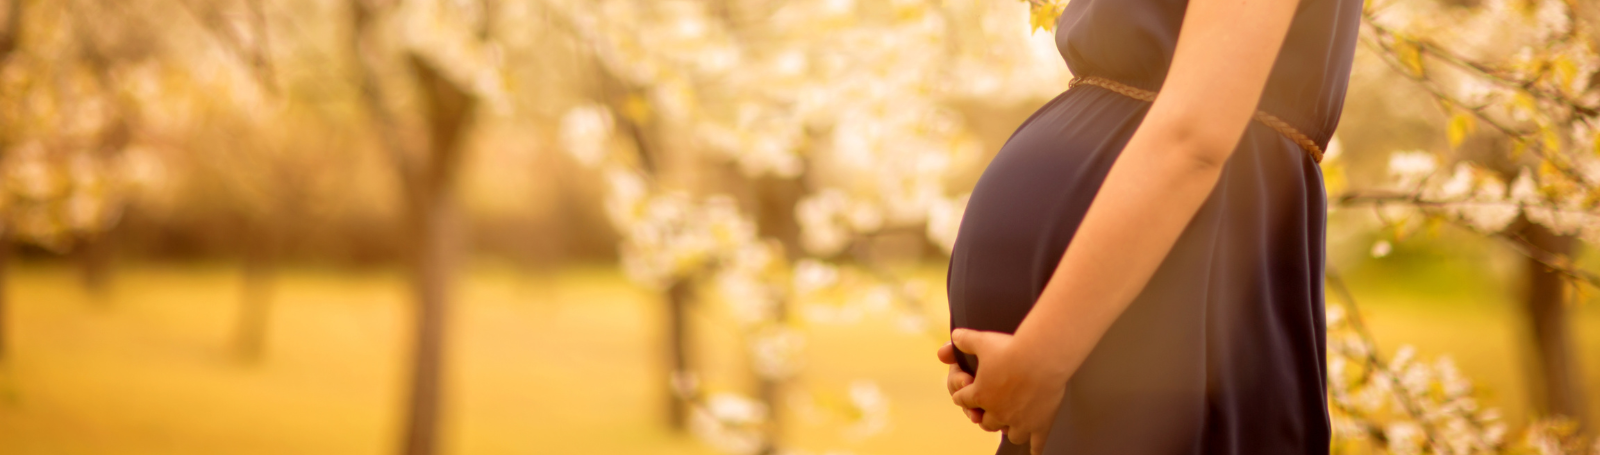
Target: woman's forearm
1164, 174
1146, 201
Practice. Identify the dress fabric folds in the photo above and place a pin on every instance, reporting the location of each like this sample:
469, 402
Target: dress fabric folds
1223, 351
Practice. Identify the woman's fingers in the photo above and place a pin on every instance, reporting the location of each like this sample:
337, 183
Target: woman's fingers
947, 354
956, 379
1018, 437
973, 342
966, 397
991, 423
1036, 443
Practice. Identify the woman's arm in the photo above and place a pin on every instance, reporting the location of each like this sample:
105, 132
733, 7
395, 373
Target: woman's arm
1169, 167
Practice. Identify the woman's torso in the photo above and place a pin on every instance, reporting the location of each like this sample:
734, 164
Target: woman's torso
1132, 42
1222, 351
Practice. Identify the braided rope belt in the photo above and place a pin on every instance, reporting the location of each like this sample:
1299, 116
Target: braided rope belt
1271, 121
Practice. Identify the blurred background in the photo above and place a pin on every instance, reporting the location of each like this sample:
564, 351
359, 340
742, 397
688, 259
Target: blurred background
697, 226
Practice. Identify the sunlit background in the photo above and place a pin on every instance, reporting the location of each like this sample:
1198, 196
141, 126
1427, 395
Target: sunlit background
698, 226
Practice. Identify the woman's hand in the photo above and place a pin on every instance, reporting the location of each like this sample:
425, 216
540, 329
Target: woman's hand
957, 379
1018, 387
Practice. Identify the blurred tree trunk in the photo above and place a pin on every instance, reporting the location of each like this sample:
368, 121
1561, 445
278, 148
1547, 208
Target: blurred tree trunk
5, 258
8, 43
94, 254
448, 110
1558, 386
94, 264
255, 299
427, 176
99, 246
679, 375
776, 199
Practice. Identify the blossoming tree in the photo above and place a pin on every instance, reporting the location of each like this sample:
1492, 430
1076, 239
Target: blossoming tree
836, 117
1517, 81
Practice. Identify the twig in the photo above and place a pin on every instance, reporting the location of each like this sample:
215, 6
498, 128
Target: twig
1386, 53
8, 39
1555, 262
1495, 75
1558, 263
1374, 362
386, 121
257, 58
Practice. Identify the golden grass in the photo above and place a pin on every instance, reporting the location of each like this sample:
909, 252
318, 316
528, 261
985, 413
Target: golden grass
562, 363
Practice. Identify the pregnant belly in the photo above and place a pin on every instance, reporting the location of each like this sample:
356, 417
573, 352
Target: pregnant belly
1029, 201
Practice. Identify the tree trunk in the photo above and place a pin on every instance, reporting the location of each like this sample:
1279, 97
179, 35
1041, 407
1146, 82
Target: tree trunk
94, 264
255, 298
430, 235
5, 259
431, 217
1558, 386
426, 176
679, 374
680, 295
775, 218
8, 43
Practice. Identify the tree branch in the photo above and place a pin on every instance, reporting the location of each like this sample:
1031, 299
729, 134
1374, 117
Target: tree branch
1560, 264
384, 119
257, 58
1483, 70
8, 39
1386, 53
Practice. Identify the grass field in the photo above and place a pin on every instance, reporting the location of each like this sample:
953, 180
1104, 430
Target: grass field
559, 363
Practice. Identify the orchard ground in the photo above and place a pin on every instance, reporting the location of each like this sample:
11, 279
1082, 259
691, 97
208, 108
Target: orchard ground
559, 362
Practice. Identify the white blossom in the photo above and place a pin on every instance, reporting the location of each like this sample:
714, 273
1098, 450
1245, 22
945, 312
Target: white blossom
944, 221
870, 407
730, 423
585, 133
1381, 248
811, 275
1410, 168
775, 352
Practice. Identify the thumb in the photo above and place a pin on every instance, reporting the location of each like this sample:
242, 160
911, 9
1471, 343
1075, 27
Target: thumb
973, 342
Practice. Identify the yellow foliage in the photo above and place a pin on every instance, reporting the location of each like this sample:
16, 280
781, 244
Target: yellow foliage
1461, 125
1334, 179
636, 109
1566, 72
1410, 55
1042, 14
1548, 172
1550, 139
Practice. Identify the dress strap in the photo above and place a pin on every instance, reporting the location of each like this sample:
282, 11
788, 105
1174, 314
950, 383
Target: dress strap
1271, 121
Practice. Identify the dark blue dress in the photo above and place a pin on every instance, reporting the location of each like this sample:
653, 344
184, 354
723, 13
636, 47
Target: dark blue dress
1223, 351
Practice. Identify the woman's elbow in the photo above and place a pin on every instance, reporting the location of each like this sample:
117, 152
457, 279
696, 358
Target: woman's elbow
1204, 148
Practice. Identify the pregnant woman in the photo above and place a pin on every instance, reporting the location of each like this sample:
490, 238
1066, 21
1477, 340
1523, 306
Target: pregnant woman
1139, 270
